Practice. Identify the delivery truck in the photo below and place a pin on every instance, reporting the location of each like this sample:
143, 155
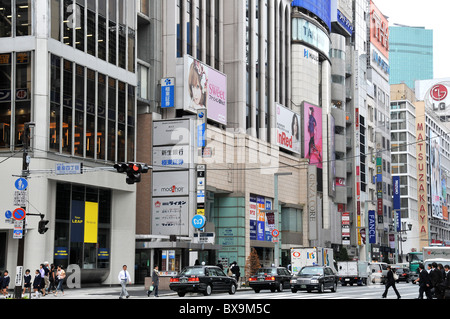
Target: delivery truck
437, 254
353, 272
301, 257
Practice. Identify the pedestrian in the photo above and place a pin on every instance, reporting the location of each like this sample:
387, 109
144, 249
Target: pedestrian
46, 275
52, 279
124, 279
37, 283
235, 270
155, 282
60, 276
436, 280
26, 282
445, 285
424, 283
5, 284
42, 284
390, 282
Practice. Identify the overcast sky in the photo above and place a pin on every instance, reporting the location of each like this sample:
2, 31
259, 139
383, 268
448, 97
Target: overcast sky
431, 14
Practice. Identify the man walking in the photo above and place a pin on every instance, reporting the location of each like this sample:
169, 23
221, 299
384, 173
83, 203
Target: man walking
155, 282
390, 282
424, 282
124, 279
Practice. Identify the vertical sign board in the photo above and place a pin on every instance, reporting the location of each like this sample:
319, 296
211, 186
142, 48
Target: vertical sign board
201, 127
252, 217
84, 222
201, 190
372, 228
167, 92
312, 201
397, 204
261, 218
422, 193
380, 190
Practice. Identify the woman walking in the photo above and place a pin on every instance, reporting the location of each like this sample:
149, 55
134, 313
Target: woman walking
60, 275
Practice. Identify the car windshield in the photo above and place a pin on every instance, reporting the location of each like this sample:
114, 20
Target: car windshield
311, 271
271, 271
195, 271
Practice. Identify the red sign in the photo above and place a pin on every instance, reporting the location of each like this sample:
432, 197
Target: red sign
19, 214
439, 92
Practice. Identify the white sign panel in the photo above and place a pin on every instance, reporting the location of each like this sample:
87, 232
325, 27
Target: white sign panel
288, 129
171, 183
171, 132
171, 157
170, 216
68, 168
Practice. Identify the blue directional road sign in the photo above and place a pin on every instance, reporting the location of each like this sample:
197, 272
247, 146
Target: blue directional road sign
21, 184
198, 221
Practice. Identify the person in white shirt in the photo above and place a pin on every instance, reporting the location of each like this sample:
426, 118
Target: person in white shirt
124, 279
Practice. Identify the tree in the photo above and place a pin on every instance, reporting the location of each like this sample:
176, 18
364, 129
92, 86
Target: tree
252, 264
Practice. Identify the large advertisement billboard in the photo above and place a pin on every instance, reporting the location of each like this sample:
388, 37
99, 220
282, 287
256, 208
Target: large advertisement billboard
205, 87
438, 184
288, 129
312, 134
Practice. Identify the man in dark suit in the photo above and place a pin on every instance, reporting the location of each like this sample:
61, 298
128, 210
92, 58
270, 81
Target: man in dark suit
390, 282
424, 283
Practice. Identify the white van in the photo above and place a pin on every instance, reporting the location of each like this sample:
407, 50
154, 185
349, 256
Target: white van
378, 272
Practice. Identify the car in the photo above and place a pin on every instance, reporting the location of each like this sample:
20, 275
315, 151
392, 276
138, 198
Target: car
273, 278
403, 274
202, 279
378, 272
314, 278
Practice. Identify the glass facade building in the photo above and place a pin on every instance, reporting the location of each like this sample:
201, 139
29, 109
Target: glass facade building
410, 54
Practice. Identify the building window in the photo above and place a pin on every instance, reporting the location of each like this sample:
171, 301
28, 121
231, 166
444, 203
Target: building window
55, 103
5, 19
87, 241
5, 102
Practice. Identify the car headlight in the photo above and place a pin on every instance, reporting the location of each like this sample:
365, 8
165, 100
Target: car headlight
293, 281
314, 281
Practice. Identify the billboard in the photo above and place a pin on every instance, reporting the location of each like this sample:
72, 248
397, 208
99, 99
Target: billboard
288, 129
379, 30
312, 134
321, 8
205, 87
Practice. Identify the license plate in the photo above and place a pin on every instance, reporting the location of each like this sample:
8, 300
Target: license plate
260, 279
302, 286
347, 279
183, 280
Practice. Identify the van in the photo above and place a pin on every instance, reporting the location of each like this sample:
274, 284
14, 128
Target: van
378, 272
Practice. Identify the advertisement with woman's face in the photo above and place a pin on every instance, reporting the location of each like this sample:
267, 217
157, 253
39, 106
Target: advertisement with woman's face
205, 87
313, 134
288, 129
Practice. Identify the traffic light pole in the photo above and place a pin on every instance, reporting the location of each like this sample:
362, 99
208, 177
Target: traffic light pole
21, 248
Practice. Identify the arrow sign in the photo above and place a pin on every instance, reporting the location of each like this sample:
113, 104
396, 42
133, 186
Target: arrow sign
19, 214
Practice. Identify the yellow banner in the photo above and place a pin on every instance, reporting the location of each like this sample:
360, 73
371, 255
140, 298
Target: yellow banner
90, 223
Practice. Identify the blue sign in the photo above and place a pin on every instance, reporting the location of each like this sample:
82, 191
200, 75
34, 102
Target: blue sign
397, 202
8, 214
345, 22
321, 8
371, 232
21, 184
198, 221
167, 93
253, 226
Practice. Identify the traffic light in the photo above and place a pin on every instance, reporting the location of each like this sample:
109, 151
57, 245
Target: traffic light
42, 227
133, 170
134, 173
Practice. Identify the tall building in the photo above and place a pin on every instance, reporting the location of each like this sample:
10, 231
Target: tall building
68, 74
410, 54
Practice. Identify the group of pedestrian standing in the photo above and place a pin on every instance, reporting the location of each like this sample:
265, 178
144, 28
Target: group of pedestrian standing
434, 281
47, 279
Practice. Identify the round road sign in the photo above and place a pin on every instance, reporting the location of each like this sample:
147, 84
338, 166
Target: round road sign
198, 221
19, 214
275, 233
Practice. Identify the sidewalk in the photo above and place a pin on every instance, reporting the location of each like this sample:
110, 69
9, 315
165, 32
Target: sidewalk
105, 292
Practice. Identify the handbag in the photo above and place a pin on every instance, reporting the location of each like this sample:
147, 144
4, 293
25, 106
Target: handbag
151, 288
395, 276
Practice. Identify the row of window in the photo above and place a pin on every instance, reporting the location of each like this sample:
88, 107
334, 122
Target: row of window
91, 115
15, 98
15, 18
102, 28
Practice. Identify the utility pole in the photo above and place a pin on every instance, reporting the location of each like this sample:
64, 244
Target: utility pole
21, 248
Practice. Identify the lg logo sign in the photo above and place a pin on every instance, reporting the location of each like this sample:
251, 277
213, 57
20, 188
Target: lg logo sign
438, 92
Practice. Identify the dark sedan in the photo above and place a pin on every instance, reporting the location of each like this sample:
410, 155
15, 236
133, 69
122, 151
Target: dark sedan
314, 278
202, 279
273, 278
404, 274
